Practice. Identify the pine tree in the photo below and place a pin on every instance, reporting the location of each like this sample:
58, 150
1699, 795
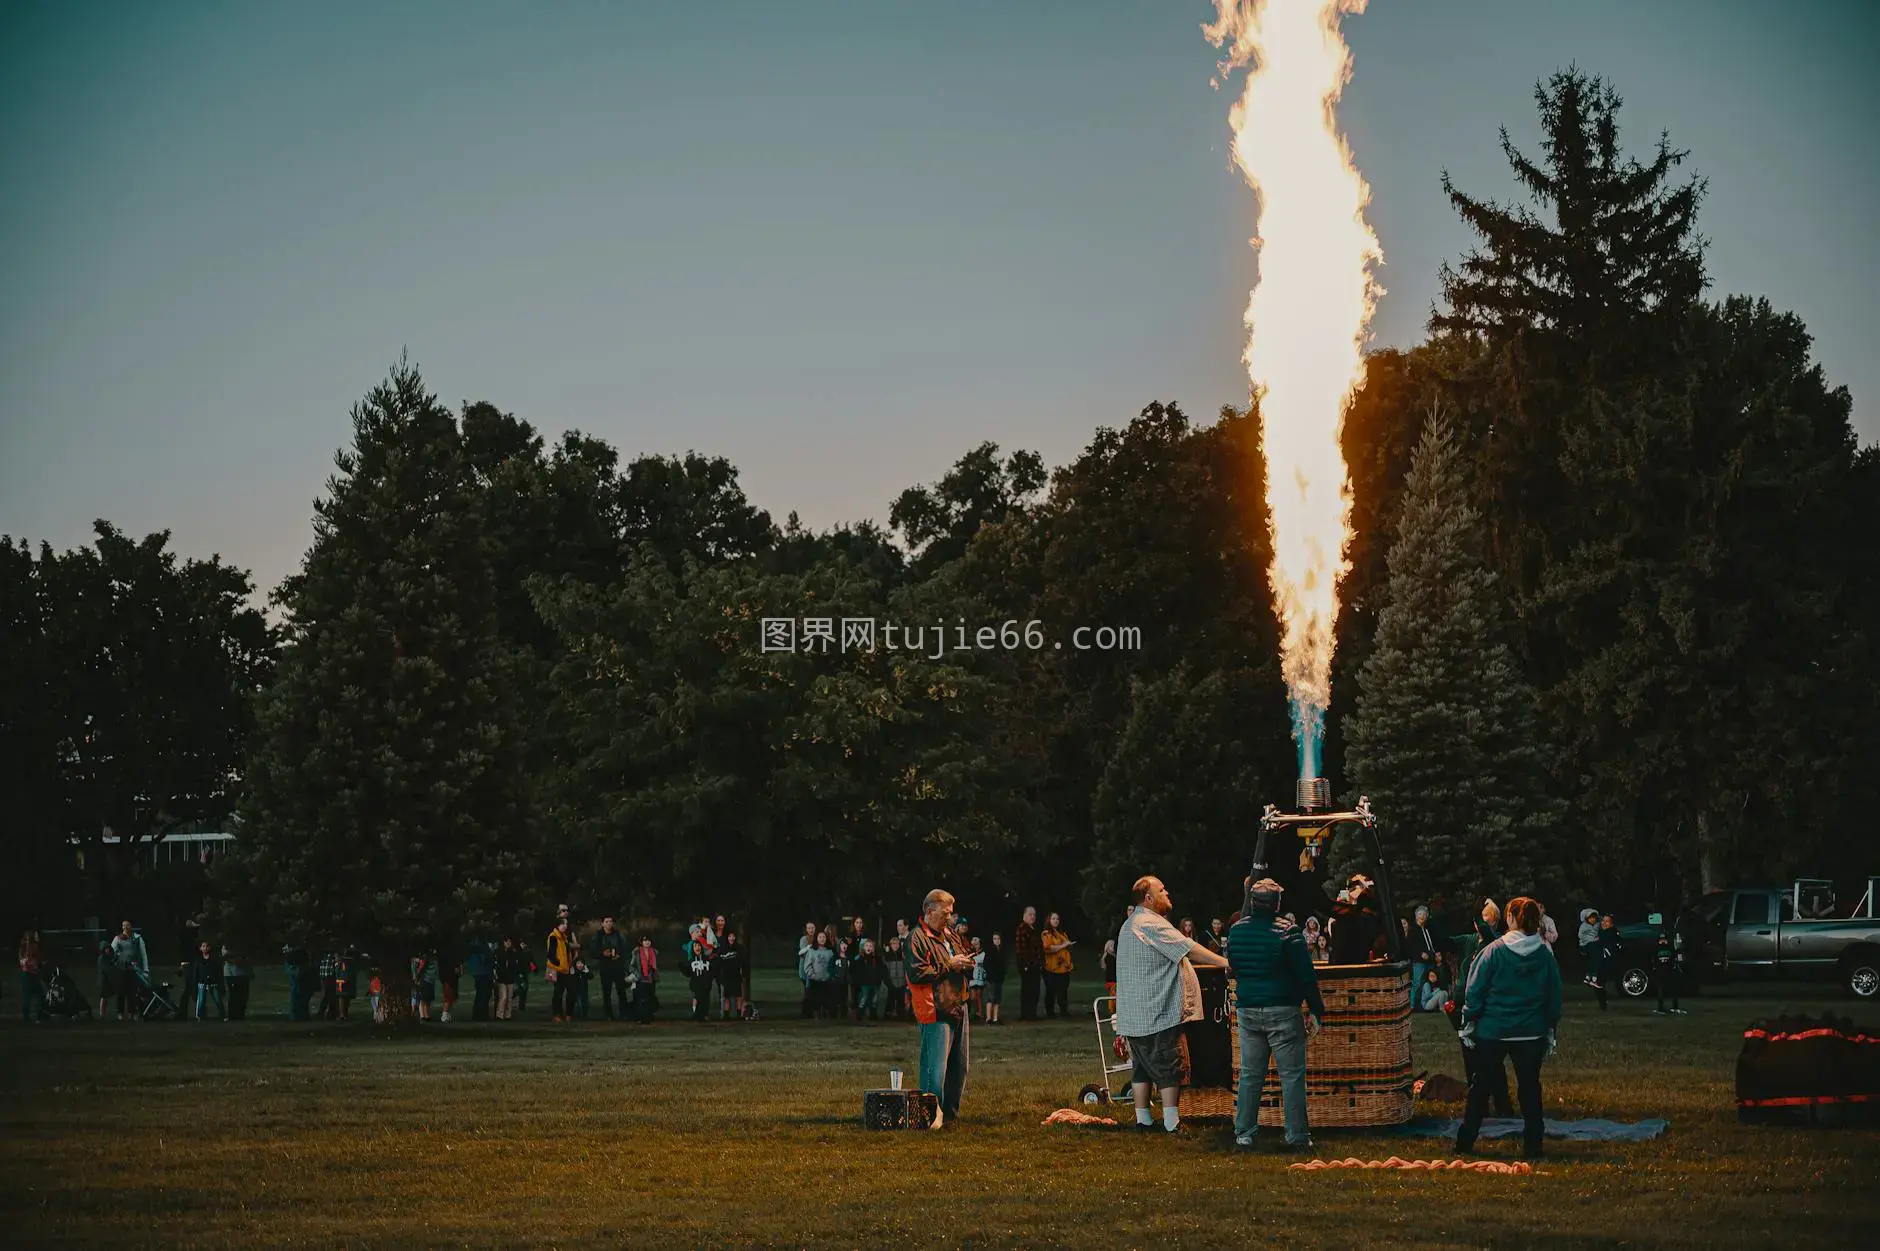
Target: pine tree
1718, 651
1582, 289
1621, 243
386, 802
1446, 740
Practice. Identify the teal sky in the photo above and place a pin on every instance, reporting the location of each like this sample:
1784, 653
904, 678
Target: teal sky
837, 241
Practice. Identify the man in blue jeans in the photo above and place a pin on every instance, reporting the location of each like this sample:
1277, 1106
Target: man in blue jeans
938, 964
1272, 976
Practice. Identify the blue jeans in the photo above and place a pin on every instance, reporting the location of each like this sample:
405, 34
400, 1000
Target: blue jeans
1280, 1032
1417, 970
944, 1056
204, 990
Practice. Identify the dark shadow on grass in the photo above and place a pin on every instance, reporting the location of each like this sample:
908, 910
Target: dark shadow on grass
854, 1120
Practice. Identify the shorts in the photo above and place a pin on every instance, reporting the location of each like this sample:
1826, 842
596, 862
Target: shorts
1157, 1058
994, 992
425, 991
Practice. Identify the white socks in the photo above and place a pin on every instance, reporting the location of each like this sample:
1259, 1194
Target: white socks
1143, 1117
1171, 1117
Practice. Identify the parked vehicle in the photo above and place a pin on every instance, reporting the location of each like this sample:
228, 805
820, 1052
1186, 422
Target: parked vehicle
1801, 932
1632, 972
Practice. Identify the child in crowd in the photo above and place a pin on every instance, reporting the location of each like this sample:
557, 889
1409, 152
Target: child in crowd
377, 990
1589, 946
1109, 968
1431, 995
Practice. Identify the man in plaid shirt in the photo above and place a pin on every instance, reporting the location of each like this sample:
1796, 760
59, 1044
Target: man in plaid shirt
1152, 960
938, 963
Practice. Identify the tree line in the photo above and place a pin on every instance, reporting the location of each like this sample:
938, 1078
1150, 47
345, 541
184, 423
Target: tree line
1609, 631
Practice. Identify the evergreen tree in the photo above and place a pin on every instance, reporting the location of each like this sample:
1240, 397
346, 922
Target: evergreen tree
1582, 289
1621, 244
386, 798
1712, 613
1446, 740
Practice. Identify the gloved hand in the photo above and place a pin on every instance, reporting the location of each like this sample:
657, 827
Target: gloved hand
1553, 1043
1467, 1035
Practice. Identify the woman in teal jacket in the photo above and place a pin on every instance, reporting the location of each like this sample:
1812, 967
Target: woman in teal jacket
1510, 1010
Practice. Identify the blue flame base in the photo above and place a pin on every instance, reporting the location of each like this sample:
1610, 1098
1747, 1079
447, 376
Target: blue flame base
1308, 735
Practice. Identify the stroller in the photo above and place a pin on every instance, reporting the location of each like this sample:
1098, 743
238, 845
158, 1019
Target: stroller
63, 997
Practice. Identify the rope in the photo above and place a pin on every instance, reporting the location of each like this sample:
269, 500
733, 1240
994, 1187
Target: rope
1499, 1167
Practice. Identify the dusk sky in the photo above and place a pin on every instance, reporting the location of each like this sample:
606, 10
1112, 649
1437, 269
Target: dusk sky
837, 241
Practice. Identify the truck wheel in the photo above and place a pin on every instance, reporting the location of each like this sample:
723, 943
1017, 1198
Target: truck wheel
1635, 981
1863, 977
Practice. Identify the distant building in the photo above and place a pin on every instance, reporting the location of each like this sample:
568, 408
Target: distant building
195, 847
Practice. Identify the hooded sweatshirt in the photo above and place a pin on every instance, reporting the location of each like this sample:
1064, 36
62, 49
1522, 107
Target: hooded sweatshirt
1514, 989
1589, 928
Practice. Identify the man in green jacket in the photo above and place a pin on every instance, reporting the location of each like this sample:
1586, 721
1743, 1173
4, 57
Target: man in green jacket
1273, 976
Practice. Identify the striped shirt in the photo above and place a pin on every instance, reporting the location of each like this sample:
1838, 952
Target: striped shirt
1149, 958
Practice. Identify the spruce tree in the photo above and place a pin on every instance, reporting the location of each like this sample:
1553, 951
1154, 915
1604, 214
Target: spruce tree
1581, 289
1446, 740
1614, 240
386, 802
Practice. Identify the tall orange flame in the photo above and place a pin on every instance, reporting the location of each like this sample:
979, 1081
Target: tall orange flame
1308, 315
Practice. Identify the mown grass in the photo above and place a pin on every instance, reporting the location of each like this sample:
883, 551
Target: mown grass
265, 1133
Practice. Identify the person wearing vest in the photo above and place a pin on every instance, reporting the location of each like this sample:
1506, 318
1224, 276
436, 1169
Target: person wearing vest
561, 973
1273, 976
938, 964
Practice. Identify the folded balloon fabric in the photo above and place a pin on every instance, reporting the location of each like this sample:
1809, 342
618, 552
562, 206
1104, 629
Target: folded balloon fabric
1502, 1167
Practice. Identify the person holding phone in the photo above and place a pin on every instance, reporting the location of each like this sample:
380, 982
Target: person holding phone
1056, 945
939, 963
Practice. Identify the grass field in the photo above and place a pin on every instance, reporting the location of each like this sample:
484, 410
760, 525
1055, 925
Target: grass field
265, 1133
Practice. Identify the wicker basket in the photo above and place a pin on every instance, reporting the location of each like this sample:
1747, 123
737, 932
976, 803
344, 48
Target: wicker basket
1358, 1070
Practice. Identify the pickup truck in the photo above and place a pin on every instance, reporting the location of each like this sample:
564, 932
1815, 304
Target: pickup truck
1800, 932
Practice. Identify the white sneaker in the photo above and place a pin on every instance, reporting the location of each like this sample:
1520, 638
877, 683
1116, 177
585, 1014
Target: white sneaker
1243, 1140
